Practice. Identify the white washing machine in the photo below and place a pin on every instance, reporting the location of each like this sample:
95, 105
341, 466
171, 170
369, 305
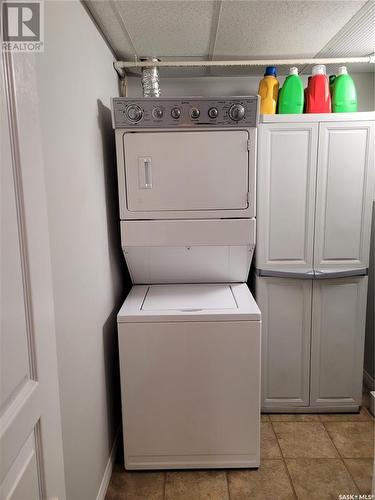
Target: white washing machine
189, 331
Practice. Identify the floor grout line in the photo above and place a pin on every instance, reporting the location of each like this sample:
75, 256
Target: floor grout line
350, 474
339, 420
339, 457
226, 477
165, 484
290, 478
278, 444
284, 462
342, 459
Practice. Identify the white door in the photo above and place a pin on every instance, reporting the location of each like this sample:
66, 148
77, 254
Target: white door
286, 196
345, 188
337, 340
186, 171
30, 428
285, 305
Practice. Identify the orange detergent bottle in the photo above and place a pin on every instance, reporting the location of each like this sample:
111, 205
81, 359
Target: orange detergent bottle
268, 91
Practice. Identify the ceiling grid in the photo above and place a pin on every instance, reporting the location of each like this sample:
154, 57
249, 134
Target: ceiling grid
214, 31
195, 30
121, 21
356, 38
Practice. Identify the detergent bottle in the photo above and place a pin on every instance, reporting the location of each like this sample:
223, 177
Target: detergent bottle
278, 101
291, 95
305, 95
318, 95
332, 79
344, 98
268, 91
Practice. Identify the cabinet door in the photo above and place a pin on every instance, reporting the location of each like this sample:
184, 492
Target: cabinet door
338, 327
345, 187
286, 196
286, 324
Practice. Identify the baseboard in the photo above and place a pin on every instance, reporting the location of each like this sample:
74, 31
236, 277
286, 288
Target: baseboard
368, 380
109, 467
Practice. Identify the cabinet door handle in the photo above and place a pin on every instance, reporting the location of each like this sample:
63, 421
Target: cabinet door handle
326, 274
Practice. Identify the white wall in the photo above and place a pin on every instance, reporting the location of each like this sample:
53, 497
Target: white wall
222, 86
75, 82
365, 84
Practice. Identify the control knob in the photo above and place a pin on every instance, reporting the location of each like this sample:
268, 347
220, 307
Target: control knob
213, 112
134, 113
194, 113
175, 113
157, 113
236, 112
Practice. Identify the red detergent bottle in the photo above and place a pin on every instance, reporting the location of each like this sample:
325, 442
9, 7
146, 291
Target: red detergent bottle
318, 95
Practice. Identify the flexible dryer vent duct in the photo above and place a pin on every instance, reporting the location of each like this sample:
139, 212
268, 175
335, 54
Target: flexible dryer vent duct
150, 80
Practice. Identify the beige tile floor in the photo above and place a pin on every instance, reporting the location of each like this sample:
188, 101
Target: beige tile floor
303, 457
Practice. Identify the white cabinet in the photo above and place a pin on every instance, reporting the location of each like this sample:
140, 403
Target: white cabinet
315, 194
286, 195
315, 187
322, 320
345, 184
337, 341
286, 326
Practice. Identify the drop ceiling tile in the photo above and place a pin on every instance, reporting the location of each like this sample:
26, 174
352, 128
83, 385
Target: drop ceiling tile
112, 28
168, 28
185, 30
356, 38
267, 29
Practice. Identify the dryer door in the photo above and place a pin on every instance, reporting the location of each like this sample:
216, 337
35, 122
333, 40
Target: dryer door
186, 171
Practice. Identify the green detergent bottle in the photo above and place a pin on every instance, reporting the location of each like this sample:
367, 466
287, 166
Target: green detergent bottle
291, 96
332, 79
344, 99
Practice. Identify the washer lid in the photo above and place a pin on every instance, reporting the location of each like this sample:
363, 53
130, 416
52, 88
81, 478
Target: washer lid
161, 303
189, 298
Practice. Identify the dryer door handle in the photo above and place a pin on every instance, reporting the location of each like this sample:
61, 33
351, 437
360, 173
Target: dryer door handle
145, 172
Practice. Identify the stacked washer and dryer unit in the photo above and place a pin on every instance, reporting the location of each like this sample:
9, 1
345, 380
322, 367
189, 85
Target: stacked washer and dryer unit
189, 330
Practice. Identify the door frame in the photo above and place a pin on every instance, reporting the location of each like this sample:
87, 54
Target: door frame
21, 96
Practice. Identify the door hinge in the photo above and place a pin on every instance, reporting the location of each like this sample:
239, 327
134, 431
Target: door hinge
248, 145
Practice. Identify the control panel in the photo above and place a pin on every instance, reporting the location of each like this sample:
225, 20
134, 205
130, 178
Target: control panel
184, 112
